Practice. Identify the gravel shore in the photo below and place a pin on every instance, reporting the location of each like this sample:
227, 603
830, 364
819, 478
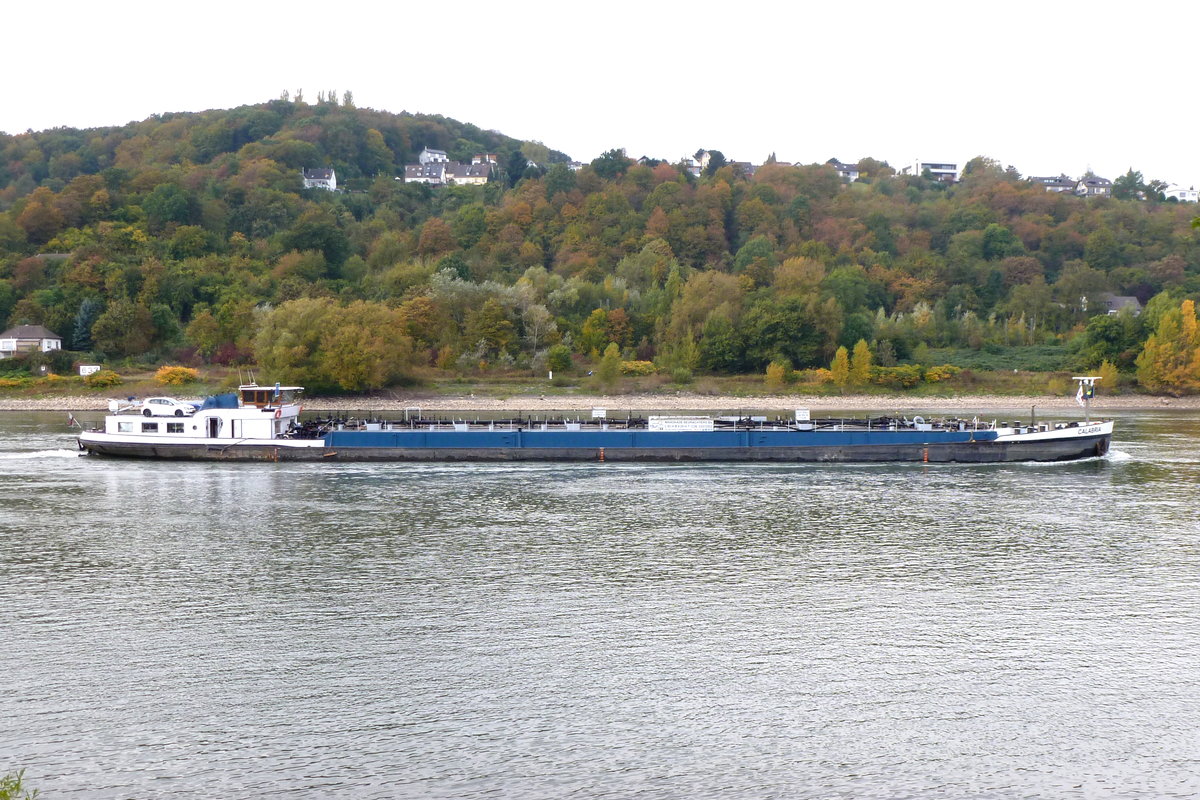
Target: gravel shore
682, 401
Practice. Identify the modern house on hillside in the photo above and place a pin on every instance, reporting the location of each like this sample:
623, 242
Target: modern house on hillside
320, 179
1060, 184
938, 170
1092, 186
1181, 194
27, 339
942, 171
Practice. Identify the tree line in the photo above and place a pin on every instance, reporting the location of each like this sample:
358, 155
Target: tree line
188, 237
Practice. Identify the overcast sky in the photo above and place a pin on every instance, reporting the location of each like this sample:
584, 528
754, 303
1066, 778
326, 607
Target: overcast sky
1048, 87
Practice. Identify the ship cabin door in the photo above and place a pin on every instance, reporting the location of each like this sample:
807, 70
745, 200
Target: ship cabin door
214, 427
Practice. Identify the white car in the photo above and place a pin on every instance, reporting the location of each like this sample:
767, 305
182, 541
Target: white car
166, 407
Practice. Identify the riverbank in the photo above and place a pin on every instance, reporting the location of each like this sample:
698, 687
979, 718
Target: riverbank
667, 401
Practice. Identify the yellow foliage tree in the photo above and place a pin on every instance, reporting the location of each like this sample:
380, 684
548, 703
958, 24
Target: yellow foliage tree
1170, 360
840, 368
860, 364
1107, 372
776, 375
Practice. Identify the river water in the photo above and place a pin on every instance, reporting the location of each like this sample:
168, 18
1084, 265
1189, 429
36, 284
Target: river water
601, 630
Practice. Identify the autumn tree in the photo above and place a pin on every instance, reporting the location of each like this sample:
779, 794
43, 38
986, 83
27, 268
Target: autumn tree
1170, 360
840, 368
327, 347
860, 364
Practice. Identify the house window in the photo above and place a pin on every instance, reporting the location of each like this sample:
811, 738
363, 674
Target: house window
149, 427
174, 427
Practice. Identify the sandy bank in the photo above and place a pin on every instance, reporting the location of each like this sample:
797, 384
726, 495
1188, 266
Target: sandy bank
682, 401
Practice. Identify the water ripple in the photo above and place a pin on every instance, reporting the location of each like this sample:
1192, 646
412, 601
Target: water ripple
589, 630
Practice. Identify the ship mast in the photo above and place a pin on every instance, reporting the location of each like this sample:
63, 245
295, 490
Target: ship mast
1087, 390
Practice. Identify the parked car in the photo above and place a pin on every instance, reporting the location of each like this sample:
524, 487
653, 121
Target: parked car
166, 407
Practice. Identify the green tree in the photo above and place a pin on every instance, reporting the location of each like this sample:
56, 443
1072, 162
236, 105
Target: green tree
490, 325
165, 205
608, 371
612, 164
558, 358
1129, 186
89, 311
716, 160
720, 344
126, 328
204, 332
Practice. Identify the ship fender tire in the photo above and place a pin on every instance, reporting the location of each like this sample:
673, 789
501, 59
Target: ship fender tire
918, 420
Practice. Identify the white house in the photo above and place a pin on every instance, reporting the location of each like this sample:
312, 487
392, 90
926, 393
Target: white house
698, 163
847, 172
942, 171
1060, 184
320, 179
1092, 186
27, 339
432, 173
468, 174
431, 156
1181, 194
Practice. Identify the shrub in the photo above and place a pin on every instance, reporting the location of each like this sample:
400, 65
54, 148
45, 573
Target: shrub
176, 376
558, 358
821, 375
681, 375
13, 383
102, 379
941, 373
777, 375
903, 377
637, 368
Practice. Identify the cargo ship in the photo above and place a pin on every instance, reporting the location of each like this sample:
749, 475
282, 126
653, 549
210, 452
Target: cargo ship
263, 423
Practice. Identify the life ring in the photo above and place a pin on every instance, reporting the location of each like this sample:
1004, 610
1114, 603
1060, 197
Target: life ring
918, 420
278, 413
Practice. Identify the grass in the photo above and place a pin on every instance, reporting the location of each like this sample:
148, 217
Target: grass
433, 383
12, 787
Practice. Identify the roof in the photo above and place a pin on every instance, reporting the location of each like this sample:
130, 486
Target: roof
1116, 302
433, 150
1061, 180
470, 170
323, 174
434, 169
29, 332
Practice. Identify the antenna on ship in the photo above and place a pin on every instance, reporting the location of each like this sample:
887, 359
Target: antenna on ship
1087, 390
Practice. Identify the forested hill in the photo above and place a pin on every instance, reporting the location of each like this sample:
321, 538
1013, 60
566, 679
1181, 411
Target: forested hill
188, 236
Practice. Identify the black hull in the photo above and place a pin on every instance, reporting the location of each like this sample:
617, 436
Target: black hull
1065, 449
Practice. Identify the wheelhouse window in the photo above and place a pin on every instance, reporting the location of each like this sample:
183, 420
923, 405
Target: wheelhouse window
174, 427
124, 427
149, 427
